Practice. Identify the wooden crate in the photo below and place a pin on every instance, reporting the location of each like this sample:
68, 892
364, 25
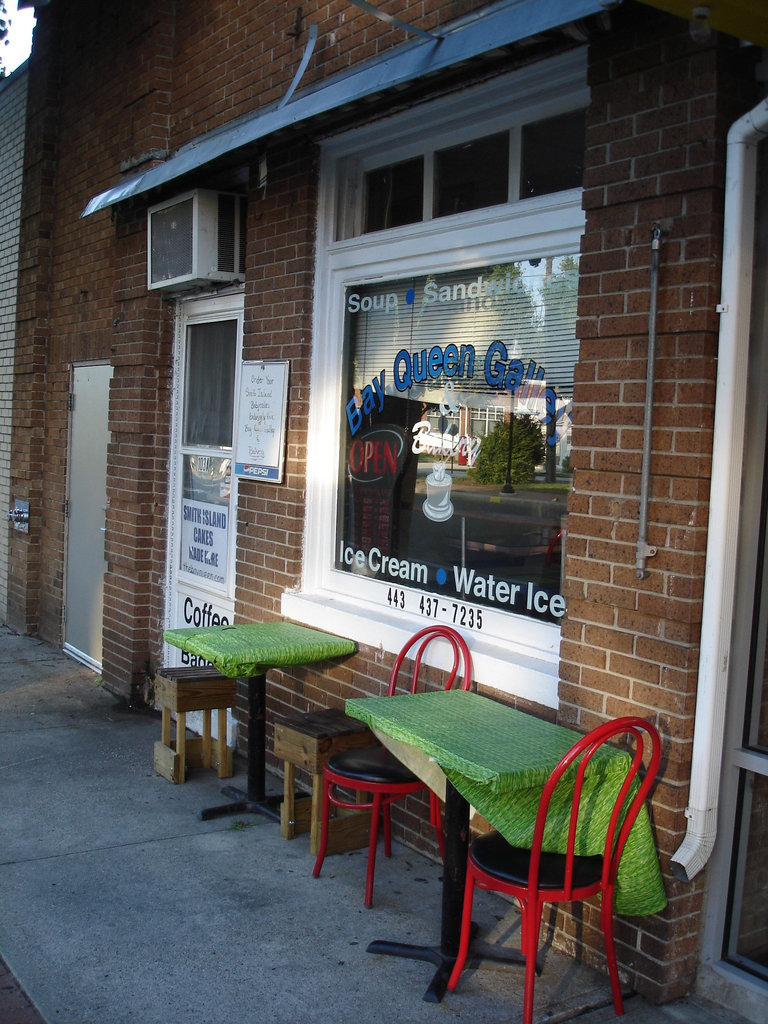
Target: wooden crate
307, 741
181, 690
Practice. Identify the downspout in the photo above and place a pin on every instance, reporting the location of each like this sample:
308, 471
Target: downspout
725, 494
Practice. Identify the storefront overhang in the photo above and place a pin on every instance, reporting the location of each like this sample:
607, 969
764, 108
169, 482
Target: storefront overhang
484, 33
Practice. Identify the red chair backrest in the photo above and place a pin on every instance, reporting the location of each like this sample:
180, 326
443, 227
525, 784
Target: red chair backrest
417, 645
622, 819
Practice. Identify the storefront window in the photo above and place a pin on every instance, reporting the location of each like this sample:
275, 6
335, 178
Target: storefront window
454, 468
438, 457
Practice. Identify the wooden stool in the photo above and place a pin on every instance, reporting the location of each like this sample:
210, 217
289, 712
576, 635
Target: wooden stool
308, 740
192, 689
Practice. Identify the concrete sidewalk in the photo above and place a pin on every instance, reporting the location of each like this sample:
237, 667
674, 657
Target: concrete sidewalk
119, 906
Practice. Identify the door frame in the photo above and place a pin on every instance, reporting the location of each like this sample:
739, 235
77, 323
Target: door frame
213, 600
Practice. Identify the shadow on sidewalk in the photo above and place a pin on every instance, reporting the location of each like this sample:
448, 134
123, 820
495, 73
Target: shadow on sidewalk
15, 1005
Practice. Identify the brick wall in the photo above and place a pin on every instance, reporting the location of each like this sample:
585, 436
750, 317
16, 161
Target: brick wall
140, 346
13, 108
84, 298
660, 110
278, 319
262, 52
139, 81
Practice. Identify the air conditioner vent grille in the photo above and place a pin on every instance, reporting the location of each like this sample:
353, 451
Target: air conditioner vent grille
171, 241
241, 247
226, 241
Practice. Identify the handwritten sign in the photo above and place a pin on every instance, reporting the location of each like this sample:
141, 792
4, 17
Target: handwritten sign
260, 448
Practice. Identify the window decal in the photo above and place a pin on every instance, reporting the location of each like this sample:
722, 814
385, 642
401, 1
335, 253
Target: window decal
454, 469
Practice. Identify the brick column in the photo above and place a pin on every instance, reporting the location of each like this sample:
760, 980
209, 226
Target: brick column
137, 467
33, 327
660, 109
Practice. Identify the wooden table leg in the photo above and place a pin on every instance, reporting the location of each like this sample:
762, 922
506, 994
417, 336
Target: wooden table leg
207, 744
181, 743
288, 819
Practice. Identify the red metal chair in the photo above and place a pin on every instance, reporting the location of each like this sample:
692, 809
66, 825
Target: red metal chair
378, 772
535, 877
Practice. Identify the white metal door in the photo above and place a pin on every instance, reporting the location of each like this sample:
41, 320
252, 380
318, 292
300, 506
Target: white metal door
86, 507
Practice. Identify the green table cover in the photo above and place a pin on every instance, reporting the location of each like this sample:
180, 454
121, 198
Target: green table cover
499, 758
250, 649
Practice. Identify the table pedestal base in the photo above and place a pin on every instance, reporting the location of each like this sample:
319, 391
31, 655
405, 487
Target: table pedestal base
444, 963
254, 800
454, 877
429, 954
269, 806
456, 823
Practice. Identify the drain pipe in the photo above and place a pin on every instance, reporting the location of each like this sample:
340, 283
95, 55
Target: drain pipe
727, 454
644, 550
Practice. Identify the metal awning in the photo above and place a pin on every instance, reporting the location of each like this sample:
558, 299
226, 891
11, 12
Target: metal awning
490, 29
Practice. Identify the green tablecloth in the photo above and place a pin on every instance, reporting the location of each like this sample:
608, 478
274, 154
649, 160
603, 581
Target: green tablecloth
499, 758
249, 649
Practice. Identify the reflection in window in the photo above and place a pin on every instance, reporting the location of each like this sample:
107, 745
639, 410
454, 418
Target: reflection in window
436, 366
751, 941
553, 155
207, 478
472, 175
394, 195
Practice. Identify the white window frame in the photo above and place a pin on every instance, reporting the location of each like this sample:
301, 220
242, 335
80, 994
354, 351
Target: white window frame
512, 653
537, 94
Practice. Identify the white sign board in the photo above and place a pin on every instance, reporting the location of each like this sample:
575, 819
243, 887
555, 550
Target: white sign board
260, 443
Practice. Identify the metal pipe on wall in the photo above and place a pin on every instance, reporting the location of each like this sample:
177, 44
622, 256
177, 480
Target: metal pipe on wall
644, 549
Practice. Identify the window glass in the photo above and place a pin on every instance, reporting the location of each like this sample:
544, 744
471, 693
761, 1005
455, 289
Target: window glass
205, 516
750, 943
436, 492
472, 175
394, 195
552, 155
476, 174
206, 476
209, 385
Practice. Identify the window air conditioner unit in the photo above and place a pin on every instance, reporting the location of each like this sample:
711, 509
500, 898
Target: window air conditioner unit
195, 239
